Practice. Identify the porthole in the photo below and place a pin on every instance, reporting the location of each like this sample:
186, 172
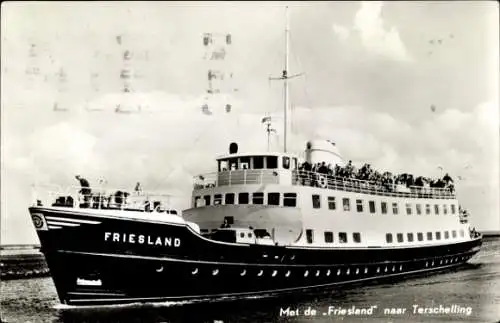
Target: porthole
195, 271
276, 257
215, 272
243, 273
366, 270
357, 271
264, 256
328, 272
274, 273
338, 272
260, 273
317, 273
306, 273
287, 274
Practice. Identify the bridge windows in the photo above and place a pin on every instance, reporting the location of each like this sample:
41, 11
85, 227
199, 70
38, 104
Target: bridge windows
394, 208
272, 162
331, 203
286, 162
258, 162
328, 237
309, 236
316, 201
399, 237
420, 236
408, 208
371, 206
453, 210
388, 237
342, 237
229, 198
243, 198
359, 205
427, 209
454, 234
346, 204
217, 199
436, 208
462, 233
418, 208
429, 236
409, 237
356, 236
207, 199
438, 235
290, 199
273, 198
383, 207
258, 198
445, 209
446, 235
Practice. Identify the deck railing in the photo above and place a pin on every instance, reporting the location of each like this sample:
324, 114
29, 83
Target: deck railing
314, 179
101, 197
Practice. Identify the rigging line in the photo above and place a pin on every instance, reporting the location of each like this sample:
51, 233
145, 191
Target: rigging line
202, 133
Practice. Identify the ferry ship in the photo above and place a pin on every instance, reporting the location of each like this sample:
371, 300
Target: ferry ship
261, 224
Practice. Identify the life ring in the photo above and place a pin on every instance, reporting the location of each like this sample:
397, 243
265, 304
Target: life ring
322, 181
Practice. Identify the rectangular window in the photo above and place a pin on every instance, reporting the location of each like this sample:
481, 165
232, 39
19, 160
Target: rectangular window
316, 200
258, 198
331, 203
328, 236
454, 233
273, 198
342, 237
384, 207
436, 208
346, 204
446, 235
286, 162
290, 199
245, 162
198, 201
356, 236
258, 162
453, 210
207, 199
429, 236
408, 208
410, 237
309, 235
217, 199
462, 233
243, 198
438, 235
359, 205
229, 198
427, 209
400, 237
388, 237
420, 236
394, 208
272, 162
445, 209
419, 209
371, 206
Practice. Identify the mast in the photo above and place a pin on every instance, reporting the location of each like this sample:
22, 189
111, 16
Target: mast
285, 79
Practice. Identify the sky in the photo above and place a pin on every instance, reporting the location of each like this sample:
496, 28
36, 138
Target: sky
405, 86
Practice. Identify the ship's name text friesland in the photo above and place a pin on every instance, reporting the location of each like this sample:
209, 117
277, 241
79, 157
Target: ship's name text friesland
141, 239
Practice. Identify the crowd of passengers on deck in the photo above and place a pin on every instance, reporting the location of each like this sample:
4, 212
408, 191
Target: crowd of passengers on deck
385, 180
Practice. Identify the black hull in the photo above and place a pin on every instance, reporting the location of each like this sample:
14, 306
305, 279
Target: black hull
87, 269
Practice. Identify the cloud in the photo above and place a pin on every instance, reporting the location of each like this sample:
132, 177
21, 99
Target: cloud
368, 24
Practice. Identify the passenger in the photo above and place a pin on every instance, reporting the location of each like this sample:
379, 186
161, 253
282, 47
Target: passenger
85, 190
225, 224
138, 188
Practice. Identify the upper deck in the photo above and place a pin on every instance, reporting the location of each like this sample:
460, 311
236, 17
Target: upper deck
283, 169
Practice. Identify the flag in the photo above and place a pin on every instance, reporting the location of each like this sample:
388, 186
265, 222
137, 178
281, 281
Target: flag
266, 119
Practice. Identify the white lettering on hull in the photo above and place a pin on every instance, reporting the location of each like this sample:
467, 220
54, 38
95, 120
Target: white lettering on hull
132, 238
